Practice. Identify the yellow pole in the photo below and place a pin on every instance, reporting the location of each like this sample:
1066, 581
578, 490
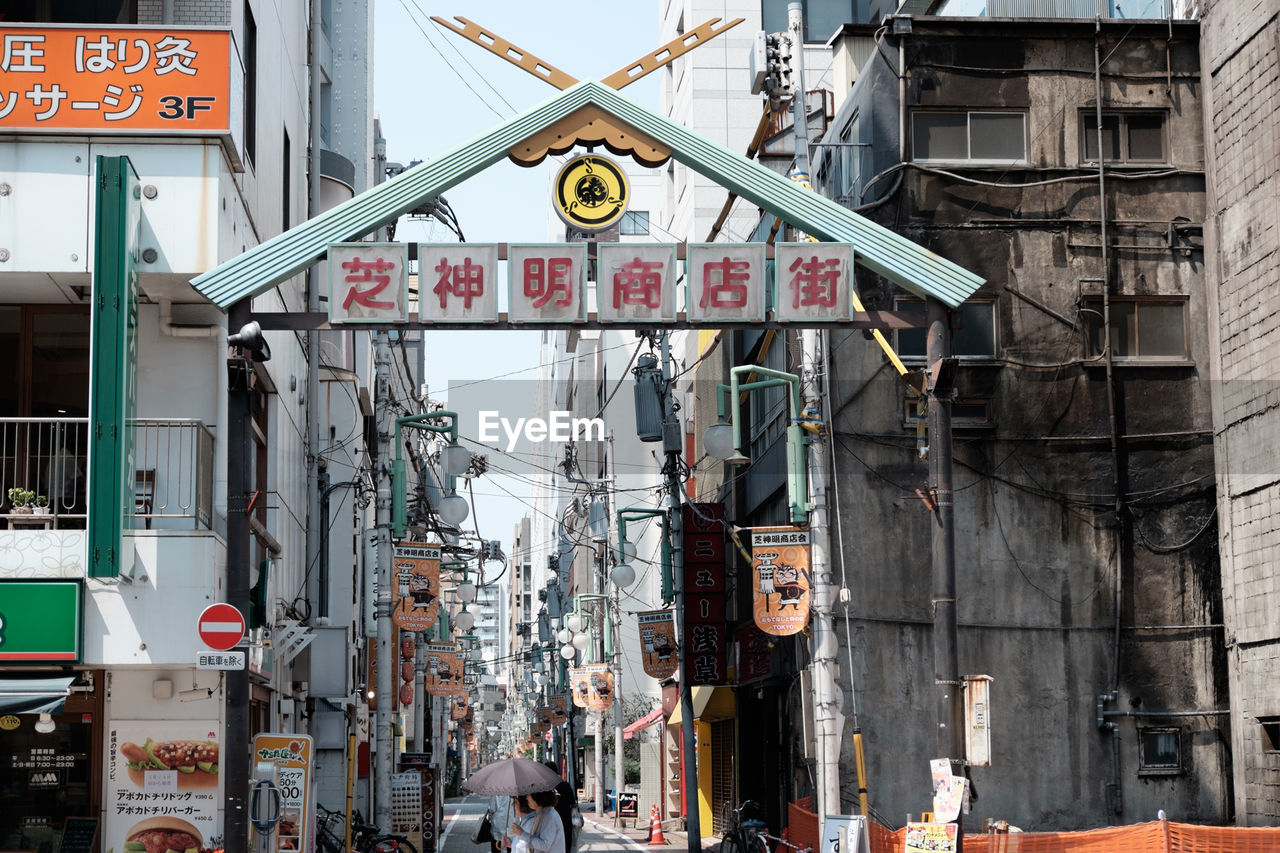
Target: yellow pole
351, 786
860, 759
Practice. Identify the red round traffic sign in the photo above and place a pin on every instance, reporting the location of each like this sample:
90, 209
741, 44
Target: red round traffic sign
220, 626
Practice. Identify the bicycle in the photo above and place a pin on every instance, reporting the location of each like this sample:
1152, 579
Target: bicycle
367, 838
744, 835
330, 830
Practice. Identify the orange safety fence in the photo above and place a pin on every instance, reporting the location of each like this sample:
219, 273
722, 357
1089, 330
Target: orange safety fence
1153, 837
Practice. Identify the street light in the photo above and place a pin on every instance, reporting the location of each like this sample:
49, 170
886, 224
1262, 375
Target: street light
455, 460
454, 509
627, 551
465, 620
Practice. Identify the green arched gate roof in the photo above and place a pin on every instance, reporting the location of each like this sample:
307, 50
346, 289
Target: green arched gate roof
915, 268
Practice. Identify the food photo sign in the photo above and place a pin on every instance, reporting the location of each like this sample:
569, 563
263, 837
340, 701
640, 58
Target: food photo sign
163, 787
291, 753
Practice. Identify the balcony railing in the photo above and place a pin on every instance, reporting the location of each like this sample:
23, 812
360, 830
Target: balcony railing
173, 473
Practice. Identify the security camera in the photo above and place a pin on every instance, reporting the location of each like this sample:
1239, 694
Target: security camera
195, 694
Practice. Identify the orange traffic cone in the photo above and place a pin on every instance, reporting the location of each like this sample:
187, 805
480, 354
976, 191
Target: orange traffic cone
655, 828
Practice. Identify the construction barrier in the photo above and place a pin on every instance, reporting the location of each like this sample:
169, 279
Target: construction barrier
1159, 836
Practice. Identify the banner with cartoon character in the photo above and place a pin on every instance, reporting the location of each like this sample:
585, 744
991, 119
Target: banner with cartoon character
780, 579
658, 643
414, 598
163, 787
443, 669
600, 686
580, 686
559, 709
458, 706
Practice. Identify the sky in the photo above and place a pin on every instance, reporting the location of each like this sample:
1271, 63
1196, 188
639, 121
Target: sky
434, 90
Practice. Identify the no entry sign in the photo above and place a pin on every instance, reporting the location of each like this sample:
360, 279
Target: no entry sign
221, 626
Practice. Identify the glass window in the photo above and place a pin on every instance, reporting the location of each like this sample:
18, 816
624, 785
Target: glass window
1140, 329
1160, 750
635, 223
1126, 137
969, 135
976, 339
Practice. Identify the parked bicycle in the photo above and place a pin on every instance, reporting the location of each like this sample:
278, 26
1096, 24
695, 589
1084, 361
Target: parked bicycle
365, 837
744, 834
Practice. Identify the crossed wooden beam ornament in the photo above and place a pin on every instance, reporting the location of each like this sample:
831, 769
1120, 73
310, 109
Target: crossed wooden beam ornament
589, 126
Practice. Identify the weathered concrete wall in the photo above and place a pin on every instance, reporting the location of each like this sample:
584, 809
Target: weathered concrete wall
1054, 588
1239, 52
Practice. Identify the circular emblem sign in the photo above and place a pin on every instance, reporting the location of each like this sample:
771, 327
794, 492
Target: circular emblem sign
591, 193
9, 722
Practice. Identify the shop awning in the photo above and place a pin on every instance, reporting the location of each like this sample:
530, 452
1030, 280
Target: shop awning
34, 695
643, 723
709, 703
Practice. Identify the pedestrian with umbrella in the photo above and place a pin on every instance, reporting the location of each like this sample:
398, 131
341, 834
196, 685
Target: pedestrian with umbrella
531, 786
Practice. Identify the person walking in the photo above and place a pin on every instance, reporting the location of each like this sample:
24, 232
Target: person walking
537, 827
566, 802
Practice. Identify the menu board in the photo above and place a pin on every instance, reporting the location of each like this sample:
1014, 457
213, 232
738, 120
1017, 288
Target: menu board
78, 834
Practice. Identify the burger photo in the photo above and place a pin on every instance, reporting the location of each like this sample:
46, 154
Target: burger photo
163, 835
195, 760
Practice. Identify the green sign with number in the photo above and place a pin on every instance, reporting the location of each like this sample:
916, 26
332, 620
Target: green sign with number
40, 621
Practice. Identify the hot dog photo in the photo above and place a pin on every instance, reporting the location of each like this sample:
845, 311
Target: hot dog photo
195, 760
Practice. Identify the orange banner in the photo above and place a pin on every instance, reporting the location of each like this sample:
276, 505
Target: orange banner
780, 574
415, 595
443, 670
458, 706
116, 79
658, 643
559, 710
600, 686
580, 686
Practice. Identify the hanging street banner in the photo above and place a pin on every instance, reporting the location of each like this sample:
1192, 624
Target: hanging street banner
600, 684
559, 709
368, 283
658, 642
705, 629
417, 589
580, 686
443, 669
458, 706
780, 579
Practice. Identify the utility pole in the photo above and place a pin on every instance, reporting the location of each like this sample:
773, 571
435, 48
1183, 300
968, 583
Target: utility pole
688, 748
383, 741
939, 385
827, 721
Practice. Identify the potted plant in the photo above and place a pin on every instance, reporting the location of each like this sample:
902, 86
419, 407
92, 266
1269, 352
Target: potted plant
21, 501
40, 506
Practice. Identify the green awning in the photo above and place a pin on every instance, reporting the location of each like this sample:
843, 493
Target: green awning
34, 695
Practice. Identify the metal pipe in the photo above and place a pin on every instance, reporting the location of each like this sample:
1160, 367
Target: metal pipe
383, 741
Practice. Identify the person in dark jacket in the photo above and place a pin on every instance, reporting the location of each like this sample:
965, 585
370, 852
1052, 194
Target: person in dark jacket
566, 801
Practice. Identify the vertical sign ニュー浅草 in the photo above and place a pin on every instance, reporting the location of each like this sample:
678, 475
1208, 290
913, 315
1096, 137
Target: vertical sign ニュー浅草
705, 632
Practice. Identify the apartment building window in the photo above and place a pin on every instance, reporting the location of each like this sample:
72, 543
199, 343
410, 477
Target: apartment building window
1159, 751
1133, 137
286, 179
634, 223
972, 135
976, 338
250, 85
1270, 734
1141, 329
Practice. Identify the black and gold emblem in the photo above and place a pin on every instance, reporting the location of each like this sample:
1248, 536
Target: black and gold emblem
591, 193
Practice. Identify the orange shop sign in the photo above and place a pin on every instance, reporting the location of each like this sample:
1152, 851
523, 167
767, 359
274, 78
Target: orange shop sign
115, 79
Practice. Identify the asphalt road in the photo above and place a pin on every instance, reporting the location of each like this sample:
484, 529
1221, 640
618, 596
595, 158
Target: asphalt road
462, 816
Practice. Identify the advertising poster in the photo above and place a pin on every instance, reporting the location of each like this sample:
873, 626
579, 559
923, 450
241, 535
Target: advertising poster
406, 805
600, 686
417, 589
292, 756
930, 838
844, 833
163, 788
458, 706
780, 579
444, 669
658, 643
580, 686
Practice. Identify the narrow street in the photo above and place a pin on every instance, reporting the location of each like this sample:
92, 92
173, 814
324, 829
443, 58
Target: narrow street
462, 815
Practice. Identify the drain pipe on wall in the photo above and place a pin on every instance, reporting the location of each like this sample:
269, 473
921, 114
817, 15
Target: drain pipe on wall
312, 404
1114, 789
